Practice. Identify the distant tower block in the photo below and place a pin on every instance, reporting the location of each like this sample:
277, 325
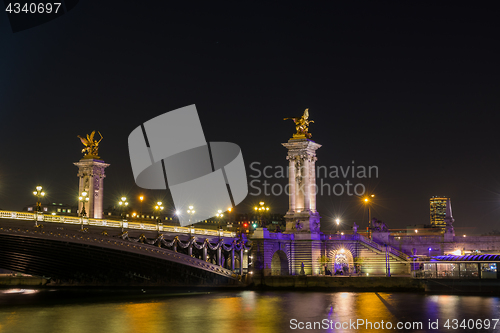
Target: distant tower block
91, 174
302, 215
438, 206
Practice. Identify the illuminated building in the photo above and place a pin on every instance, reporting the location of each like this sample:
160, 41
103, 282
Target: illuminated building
438, 211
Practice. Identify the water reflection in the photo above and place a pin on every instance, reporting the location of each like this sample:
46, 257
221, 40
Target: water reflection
245, 311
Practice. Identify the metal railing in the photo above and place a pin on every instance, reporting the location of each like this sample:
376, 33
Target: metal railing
40, 217
444, 275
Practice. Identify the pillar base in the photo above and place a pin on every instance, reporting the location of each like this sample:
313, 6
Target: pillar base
303, 222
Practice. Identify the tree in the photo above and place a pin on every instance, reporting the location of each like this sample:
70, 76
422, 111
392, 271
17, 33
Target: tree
323, 260
357, 263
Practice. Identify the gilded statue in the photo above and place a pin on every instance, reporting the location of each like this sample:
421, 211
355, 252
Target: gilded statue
91, 145
302, 126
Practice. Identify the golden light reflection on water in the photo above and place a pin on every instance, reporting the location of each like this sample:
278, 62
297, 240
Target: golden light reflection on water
135, 316
243, 312
369, 307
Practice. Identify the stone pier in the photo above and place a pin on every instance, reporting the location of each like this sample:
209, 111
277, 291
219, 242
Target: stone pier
91, 175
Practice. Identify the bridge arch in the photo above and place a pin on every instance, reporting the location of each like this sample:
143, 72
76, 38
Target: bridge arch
88, 258
279, 263
341, 259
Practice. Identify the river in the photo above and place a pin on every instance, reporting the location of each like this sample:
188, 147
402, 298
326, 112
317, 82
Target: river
123, 311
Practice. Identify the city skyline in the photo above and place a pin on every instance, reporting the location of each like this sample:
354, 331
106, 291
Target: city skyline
415, 101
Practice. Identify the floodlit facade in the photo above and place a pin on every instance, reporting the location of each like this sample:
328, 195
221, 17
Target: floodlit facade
438, 211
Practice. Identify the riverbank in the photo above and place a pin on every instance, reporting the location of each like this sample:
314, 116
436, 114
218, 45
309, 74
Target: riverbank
297, 282
340, 283
375, 284
11, 280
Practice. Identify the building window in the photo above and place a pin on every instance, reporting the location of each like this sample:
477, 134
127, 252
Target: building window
69, 210
44, 209
58, 210
64, 210
30, 209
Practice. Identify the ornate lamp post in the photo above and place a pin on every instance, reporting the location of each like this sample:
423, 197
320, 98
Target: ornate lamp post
178, 214
230, 219
260, 210
38, 193
83, 198
158, 209
141, 198
190, 212
219, 217
367, 201
123, 203
337, 221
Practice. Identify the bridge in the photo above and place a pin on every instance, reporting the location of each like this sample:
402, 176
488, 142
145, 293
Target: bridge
382, 254
73, 250
354, 254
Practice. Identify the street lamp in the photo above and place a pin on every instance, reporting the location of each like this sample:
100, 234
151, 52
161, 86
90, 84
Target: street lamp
190, 212
83, 199
338, 223
367, 201
260, 210
219, 217
38, 193
141, 198
123, 203
158, 209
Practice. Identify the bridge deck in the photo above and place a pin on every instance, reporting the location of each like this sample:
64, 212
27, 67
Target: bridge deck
109, 223
67, 253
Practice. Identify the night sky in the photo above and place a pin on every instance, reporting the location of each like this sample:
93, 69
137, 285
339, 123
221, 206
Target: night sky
412, 88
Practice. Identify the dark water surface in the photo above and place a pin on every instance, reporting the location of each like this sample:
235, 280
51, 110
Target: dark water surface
122, 311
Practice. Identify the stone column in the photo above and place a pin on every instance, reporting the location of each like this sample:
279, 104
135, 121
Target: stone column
91, 174
302, 216
312, 183
306, 178
291, 183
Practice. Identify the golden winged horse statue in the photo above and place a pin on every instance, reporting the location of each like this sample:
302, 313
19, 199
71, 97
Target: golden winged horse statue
91, 145
302, 125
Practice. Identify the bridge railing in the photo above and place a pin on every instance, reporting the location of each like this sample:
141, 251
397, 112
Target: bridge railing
368, 242
340, 237
110, 223
381, 248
